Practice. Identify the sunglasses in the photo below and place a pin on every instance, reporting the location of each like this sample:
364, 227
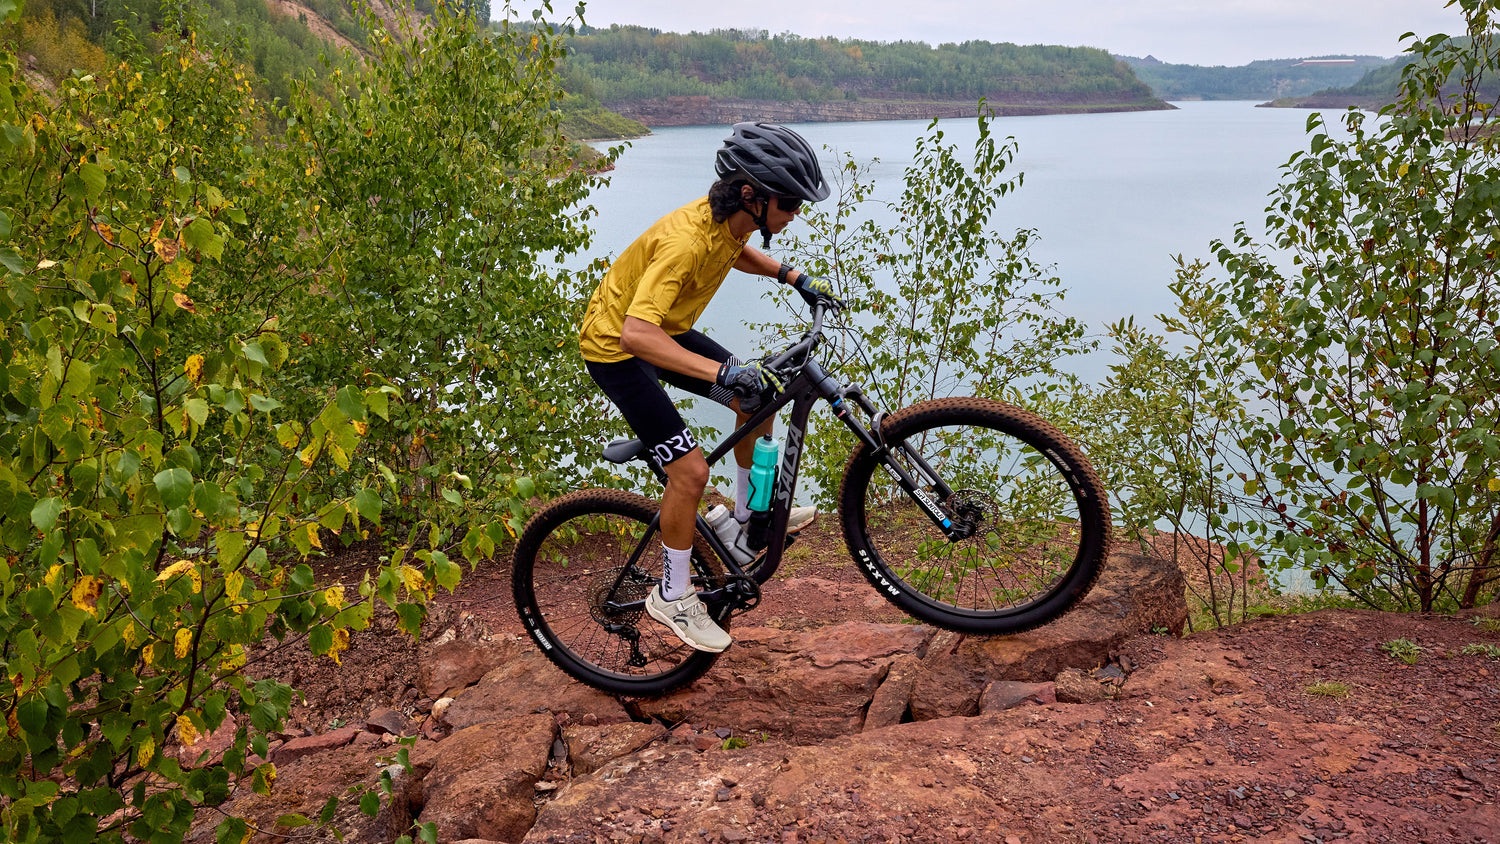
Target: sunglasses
789, 204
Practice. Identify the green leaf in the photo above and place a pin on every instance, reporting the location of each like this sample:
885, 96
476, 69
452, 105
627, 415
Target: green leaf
369, 803
525, 487
181, 174
349, 402
93, 179
12, 261
175, 485
10, 10
44, 514
452, 496
367, 502
200, 235
4, 224
264, 404
292, 821
197, 410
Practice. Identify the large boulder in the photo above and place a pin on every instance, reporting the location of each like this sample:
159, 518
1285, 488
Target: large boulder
460, 655
526, 685
1135, 594
480, 782
802, 686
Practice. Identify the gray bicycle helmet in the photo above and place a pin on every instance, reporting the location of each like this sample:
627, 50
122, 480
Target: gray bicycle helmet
773, 159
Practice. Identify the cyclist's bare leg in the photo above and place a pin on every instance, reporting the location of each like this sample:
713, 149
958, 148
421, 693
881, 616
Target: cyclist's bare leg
744, 450
687, 477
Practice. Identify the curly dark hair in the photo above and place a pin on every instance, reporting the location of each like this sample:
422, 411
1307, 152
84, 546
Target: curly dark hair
724, 198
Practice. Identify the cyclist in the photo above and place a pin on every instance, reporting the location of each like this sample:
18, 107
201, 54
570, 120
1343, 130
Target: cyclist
638, 332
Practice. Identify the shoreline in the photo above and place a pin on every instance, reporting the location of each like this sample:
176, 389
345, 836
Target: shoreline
706, 111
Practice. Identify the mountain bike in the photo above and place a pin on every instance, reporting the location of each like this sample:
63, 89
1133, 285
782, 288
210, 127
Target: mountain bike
969, 514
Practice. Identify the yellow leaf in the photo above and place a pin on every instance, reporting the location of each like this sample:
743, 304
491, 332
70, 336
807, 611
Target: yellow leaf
1494, 484
361, 428
105, 233
173, 570
166, 250
412, 578
155, 231
53, 575
334, 595
306, 456
186, 732
184, 302
340, 644
86, 593
194, 366
197, 578
182, 642
233, 658
144, 751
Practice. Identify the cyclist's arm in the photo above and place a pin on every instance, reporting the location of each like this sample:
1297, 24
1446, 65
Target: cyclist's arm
756, 262
647, 341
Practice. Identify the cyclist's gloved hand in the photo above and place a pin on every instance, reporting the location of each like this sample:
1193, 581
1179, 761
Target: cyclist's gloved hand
753, 382
811, 287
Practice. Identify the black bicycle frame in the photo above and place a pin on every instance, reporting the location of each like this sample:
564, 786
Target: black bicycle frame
811, 385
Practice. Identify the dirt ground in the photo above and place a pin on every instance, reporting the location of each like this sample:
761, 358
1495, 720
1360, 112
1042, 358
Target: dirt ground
1333, 734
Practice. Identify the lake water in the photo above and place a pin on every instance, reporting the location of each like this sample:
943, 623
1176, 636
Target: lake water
1113, 196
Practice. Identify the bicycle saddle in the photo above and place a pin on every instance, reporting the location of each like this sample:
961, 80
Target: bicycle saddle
624, 451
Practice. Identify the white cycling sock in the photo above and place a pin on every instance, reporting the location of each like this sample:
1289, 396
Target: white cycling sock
676, 573
742, 495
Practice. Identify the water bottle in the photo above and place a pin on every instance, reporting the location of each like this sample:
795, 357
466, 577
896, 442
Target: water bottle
763, 473
762, 482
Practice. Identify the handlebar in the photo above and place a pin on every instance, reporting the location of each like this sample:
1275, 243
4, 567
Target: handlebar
810, 338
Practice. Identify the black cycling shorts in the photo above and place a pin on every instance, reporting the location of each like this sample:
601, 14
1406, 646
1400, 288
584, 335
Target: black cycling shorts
635, 388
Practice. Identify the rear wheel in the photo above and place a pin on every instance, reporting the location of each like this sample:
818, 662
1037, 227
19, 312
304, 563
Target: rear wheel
581, 569
1034, 517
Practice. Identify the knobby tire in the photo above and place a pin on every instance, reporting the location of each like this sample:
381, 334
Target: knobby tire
1040, 515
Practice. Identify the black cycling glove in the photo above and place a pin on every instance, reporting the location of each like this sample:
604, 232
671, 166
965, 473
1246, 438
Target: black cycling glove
753, 382
812, 287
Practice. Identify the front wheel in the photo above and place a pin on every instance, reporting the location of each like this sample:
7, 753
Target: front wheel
1029, 520
581, 569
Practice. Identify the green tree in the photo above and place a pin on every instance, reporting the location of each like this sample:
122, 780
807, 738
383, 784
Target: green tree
442, 201
154, 493
1374, 364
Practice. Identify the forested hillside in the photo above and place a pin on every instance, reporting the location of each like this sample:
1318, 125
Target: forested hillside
624, 65
1258, 80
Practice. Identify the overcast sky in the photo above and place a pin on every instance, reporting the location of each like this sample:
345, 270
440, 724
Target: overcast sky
1208, 32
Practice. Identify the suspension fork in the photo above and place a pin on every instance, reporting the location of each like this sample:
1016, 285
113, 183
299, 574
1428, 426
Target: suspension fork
873, 439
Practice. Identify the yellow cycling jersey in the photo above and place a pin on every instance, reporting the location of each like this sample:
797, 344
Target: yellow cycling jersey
666, 277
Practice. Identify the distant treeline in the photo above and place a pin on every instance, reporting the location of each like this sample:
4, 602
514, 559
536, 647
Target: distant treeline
1258, 80
625, 63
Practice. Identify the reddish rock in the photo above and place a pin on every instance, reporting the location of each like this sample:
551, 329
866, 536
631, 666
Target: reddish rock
1008, 694
893, 699
480, 781
387, 721
1073, 686
308, 745
589, 748
454, 665
1134, 595
526, 685
804, 686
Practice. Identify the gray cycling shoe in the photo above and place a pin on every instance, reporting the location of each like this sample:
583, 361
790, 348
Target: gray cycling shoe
688, 619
